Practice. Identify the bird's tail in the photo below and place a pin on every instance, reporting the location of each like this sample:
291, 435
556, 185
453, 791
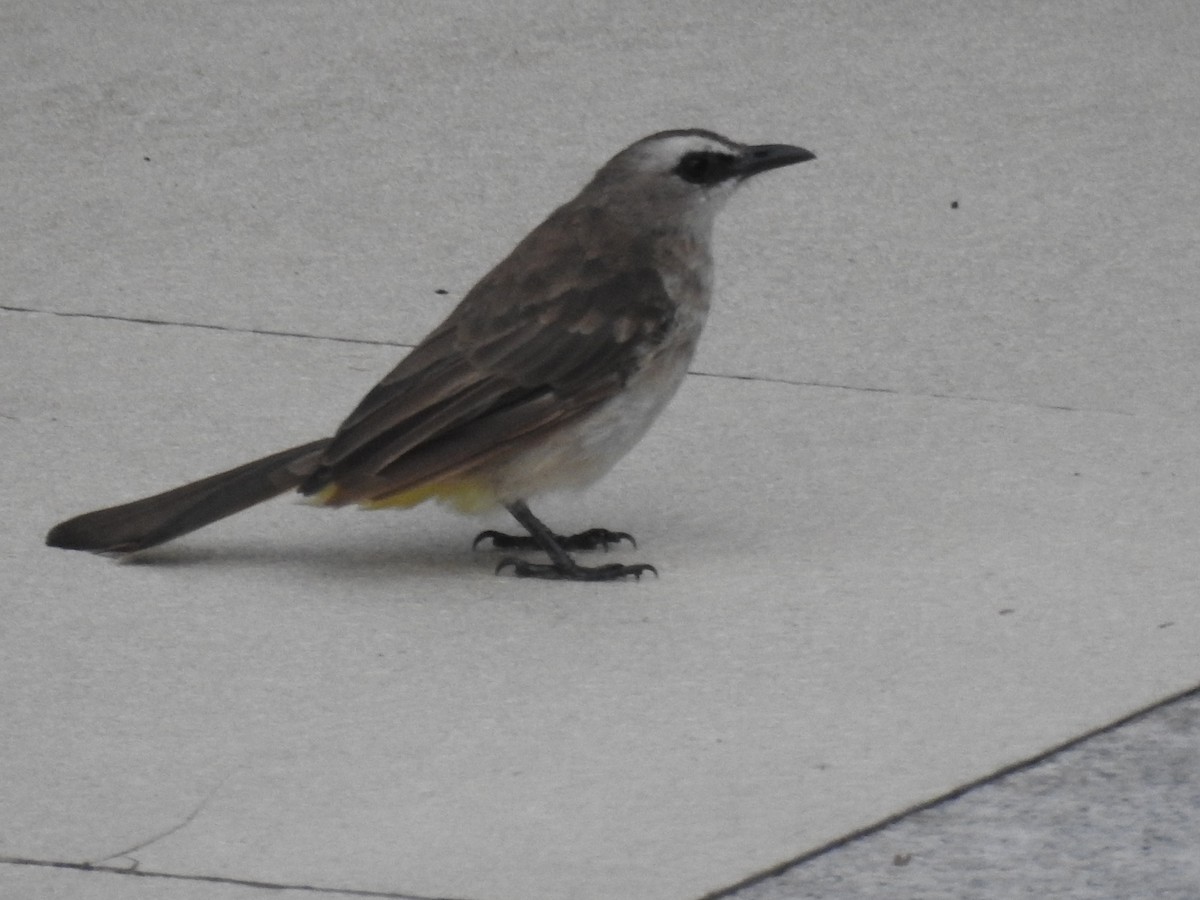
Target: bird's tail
153, 520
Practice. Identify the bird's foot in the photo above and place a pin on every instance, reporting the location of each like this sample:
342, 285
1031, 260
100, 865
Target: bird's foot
572, 571
592, 539
561, 566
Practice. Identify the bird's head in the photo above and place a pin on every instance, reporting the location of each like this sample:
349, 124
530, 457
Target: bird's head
688, 173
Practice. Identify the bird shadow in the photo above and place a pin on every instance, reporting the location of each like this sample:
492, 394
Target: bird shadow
448, 559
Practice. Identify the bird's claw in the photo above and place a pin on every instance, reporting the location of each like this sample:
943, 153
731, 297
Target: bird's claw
611, 572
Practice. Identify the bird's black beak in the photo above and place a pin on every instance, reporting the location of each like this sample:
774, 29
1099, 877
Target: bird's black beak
769, 156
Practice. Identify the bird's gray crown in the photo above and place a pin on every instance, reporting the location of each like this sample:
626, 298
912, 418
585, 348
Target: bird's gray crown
664, 152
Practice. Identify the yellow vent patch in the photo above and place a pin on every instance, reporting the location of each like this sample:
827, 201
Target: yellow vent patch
467, 495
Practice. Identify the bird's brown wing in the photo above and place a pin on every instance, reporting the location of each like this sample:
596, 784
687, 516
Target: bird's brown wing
492, 376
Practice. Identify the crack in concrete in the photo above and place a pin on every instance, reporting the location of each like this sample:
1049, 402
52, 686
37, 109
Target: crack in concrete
866, 389
896, 392
214, 879
133, 868
179, 826
207, 326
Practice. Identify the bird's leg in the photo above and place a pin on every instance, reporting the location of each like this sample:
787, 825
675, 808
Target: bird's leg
561, 565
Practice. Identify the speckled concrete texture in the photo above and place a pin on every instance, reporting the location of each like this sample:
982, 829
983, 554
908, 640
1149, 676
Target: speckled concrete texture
927, 507
1115, 815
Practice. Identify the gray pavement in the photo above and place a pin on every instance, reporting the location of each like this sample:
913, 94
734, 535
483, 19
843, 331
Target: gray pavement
926, 509
1116, 815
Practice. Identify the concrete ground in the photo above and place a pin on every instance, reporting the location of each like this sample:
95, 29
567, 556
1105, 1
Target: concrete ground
926, 511
1115, 815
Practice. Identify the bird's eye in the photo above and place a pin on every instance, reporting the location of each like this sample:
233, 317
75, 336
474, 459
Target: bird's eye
704, 168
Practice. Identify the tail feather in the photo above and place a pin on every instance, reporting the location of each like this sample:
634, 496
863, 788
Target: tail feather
154, 520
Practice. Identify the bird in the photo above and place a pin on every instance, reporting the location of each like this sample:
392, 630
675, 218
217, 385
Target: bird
549, 370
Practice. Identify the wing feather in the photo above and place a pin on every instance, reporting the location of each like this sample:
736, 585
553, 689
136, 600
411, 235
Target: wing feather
494, 373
